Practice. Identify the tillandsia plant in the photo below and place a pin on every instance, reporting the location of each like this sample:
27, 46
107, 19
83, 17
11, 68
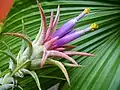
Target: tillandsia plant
39, 53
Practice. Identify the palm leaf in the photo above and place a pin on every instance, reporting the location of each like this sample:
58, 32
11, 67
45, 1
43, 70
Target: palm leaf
100, 72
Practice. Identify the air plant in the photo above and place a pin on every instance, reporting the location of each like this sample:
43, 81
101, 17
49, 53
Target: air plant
49, 42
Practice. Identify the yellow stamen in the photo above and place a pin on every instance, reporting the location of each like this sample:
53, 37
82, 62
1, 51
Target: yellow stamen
94, 26
86, 10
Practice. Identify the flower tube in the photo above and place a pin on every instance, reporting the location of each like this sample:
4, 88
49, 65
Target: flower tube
70, 37
69, 25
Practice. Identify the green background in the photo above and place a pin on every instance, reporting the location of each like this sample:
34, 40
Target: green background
101, 72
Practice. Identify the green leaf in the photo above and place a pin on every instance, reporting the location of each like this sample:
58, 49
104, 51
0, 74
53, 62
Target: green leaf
61, 66
34, 75
20, 66
100, 72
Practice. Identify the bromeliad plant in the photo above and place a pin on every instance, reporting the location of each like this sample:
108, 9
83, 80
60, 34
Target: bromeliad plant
48, 43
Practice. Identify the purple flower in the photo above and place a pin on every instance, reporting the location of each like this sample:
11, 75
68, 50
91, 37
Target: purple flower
54, 41
65, 28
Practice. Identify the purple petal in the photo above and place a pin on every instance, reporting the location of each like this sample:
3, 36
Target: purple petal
65, 28
69, 25
68, 38
80, 16
72, 31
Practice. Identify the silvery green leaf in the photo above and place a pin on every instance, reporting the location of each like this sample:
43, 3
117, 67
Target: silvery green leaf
19, 74
34, 75
8, 79
1, 80
61, 66
35, 64
11, 65
37, 52
7, 82
20, 66
6, 86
